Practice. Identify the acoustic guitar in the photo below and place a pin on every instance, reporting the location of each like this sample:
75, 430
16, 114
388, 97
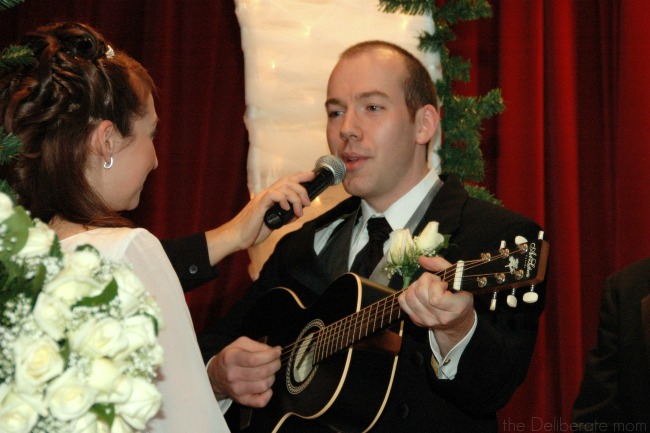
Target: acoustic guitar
339, 358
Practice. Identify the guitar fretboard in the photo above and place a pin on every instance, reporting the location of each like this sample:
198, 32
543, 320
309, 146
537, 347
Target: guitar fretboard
355, 327
496, 272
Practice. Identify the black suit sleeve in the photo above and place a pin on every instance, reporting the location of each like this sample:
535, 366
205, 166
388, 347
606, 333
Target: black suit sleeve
190, 259
497, 358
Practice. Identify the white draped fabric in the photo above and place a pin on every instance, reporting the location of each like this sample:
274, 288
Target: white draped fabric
290, 47
188, 403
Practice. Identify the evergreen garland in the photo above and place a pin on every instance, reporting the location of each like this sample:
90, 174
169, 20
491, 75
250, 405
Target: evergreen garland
6, 4
460, 151
11, 58
15, 56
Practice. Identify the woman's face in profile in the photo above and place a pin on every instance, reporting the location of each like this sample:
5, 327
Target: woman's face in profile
134, 157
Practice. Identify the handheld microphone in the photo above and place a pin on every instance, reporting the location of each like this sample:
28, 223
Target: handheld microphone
330, 170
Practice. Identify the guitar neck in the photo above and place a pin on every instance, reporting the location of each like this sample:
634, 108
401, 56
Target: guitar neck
522, 265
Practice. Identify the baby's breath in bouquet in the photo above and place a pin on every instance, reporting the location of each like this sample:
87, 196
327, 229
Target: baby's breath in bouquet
404, 250
78, 336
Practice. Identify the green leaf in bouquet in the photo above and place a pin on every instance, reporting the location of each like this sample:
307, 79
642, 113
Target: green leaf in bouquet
56, 249
65, 352
14, 281
35, 285
17, 231
105, 412
108, 294
154, 320
87, 247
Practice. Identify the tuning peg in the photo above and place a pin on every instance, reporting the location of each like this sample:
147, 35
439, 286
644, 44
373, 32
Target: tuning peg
512, 299
531, 297
493, 301
519, 240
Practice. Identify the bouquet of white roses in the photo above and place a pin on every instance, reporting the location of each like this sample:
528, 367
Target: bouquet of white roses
78, 336
404, 250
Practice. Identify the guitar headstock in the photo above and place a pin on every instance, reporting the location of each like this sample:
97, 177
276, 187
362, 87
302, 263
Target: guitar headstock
522, 263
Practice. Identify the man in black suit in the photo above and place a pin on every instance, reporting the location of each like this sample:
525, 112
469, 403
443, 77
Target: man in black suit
615, 389
459, 362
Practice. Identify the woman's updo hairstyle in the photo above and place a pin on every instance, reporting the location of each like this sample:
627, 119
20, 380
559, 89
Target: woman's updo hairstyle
53, 104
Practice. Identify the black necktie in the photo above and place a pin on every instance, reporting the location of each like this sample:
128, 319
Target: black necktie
367, 259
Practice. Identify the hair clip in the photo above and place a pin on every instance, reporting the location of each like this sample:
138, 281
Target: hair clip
110, 53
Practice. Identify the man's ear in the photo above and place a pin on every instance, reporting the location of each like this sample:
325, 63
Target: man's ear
104, 140
426, 119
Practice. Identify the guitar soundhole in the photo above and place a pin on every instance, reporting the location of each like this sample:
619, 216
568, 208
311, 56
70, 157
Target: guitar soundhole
301, 368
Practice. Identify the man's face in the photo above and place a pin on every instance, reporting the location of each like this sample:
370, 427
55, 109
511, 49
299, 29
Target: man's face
369, 127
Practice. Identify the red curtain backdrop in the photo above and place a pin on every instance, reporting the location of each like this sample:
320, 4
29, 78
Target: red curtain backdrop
570, 150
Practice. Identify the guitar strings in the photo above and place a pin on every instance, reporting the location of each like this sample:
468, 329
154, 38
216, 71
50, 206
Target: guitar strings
336, 331
330, 339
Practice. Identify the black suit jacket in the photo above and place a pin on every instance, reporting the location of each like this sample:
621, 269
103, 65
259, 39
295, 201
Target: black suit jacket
616, 384
190, 259
494, 363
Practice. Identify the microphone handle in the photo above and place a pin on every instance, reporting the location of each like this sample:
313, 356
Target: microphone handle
276, 217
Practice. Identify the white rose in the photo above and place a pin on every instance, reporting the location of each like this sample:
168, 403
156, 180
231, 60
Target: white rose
16, 415
401, 246
39, 241
104, 374
86, 424
121, 392
6, 207
429, 239
99, 338
51, 315
37, 360
120, 426
84, 262
102, 427
71, 288
89, 423
143, 404
130, 290
139, 331
106, 377
69, 397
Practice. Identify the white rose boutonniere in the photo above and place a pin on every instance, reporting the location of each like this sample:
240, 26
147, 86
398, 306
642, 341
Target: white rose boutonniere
404, 250
78, 336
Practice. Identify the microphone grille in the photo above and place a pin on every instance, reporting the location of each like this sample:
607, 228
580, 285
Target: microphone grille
334, 164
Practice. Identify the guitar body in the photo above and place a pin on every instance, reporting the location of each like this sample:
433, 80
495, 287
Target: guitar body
345, 391
339, 355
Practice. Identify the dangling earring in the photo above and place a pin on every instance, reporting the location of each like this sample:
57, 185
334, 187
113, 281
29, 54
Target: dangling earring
109, 165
